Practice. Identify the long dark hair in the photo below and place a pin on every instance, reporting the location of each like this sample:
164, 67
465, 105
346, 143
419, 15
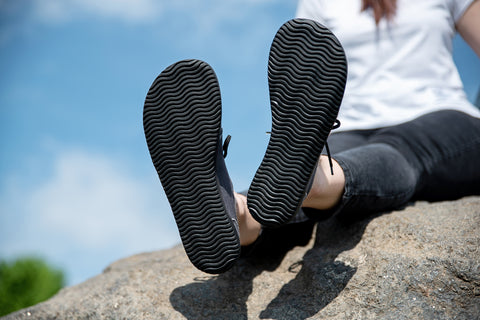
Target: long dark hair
381, 8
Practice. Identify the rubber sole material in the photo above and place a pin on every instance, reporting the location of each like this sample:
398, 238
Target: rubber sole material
307, 72
182, 123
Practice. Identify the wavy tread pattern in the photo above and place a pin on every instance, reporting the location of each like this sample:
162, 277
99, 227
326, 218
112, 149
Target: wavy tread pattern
182, 123
307, 73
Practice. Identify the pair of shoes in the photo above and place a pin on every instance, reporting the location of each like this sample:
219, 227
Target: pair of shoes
182, 121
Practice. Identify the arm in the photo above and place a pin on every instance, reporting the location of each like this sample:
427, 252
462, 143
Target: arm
469, 26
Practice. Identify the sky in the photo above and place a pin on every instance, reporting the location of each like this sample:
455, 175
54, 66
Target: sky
77, 186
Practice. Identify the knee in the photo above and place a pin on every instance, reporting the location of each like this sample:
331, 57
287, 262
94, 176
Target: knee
386, 170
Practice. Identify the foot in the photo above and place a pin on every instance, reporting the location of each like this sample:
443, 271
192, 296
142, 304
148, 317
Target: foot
307, 72
182, 123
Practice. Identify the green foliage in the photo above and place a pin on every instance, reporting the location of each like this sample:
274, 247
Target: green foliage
25, 282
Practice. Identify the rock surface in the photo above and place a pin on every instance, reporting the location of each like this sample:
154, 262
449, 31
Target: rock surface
422, 262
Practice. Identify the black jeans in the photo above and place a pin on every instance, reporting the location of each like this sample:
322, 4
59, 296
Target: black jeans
434, 157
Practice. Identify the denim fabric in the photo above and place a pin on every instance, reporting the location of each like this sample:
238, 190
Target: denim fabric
434, 157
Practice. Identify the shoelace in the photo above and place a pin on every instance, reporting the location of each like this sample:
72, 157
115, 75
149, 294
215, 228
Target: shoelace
225, 145
336, 125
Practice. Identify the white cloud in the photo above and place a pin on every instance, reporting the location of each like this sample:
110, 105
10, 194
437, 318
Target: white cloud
205, 12
91, 199
88, 213
203, 27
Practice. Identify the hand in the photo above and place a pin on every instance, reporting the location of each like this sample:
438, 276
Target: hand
381, 8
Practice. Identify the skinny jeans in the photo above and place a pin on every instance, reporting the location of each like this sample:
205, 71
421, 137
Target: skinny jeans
434, 157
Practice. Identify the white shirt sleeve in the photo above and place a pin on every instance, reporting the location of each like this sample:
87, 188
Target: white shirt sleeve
458, 8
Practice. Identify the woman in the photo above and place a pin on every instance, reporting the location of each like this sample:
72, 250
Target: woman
407, 130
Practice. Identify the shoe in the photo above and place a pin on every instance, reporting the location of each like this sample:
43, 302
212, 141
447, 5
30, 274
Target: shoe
307, 72
182, 123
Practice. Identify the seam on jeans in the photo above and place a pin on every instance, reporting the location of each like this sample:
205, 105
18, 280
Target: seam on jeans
385, 196
347, 172
347, 196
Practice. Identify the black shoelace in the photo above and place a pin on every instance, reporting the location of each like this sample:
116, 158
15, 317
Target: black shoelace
336, 125
225, 145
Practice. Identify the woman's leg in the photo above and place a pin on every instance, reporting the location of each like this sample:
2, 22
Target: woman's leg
376, 177
434, 157
327, 189
450, 158
444, 148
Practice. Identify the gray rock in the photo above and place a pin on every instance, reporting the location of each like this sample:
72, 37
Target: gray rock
422, 262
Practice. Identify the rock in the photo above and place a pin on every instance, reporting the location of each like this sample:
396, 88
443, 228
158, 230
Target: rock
422, 262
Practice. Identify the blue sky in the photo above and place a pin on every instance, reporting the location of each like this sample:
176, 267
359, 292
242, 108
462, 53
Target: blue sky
76, 182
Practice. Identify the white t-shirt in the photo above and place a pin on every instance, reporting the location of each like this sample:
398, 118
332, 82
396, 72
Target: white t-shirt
400, 70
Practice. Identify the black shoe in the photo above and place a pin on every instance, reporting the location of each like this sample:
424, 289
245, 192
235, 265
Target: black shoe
182, 123
307, 71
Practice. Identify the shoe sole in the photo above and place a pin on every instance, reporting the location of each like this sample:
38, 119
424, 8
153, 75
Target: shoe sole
307, 72
182, 123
